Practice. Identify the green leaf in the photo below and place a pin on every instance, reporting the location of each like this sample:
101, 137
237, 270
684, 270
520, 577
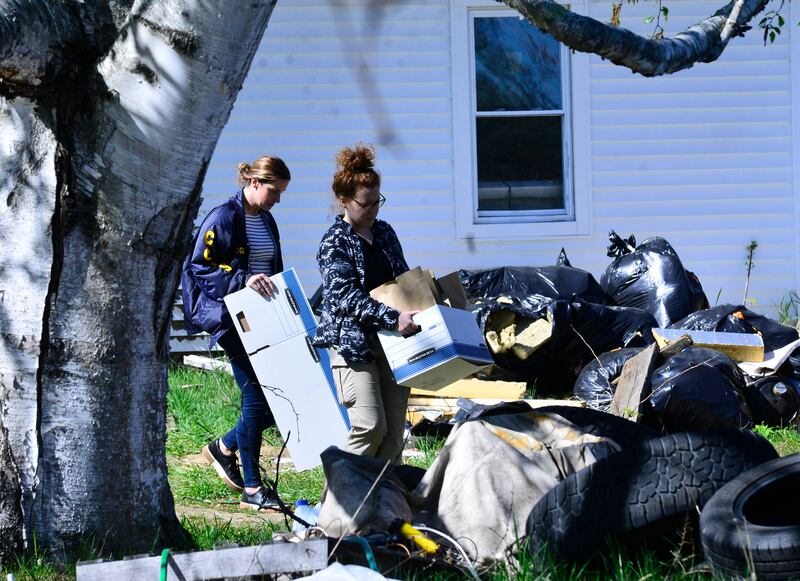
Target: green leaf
772, 36
781, 21
649, 19
665, 12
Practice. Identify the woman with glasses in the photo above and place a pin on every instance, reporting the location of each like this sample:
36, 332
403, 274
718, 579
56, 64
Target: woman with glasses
357, 254
238, 245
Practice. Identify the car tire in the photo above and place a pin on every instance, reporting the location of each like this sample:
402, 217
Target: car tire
643, 489
752, 525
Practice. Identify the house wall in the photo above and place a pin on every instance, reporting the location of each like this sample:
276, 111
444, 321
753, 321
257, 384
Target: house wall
703, 157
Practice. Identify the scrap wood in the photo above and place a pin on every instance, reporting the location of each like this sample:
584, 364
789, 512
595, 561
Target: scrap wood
473, 387
233, 562
205, 362
630, 389
676, 346
451, 403
737, 346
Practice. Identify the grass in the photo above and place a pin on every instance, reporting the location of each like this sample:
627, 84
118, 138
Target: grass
202, 405
207, 534
788, 308
785, 440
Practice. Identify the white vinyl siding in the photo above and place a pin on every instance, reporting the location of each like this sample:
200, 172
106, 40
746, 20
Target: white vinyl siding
704, 157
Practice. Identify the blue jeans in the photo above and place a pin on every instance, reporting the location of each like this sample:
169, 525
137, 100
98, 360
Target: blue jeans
256, 415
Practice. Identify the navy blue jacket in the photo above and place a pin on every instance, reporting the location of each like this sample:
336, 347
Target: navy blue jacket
349, 315
218, 265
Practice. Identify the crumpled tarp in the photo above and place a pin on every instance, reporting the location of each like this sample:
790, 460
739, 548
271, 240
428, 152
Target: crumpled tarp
481, 488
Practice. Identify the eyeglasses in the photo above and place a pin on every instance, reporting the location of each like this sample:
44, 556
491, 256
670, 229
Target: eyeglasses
376, 204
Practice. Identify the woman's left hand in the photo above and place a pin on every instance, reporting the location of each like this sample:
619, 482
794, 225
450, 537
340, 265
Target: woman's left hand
262, 284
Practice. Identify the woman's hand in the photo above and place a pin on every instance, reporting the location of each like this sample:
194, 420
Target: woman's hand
406, 325
262, 285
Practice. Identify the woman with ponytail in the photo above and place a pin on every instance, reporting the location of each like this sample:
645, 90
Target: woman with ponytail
357, 254
238, 245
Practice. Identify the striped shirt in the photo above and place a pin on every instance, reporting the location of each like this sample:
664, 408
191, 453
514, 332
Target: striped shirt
262, 245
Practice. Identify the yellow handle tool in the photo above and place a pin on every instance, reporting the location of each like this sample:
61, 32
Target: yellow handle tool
418, 538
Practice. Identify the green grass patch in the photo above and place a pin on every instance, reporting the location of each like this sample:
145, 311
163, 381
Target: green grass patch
430, 447
198, 484
785, 440
203, 405
206, 534
308, 484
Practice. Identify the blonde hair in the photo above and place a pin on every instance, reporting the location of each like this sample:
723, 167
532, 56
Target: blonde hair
266, 167
354, 168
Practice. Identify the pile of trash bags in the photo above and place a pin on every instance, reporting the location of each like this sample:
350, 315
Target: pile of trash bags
559, 330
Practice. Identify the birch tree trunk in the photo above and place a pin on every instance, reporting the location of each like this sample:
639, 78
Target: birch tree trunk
109, 114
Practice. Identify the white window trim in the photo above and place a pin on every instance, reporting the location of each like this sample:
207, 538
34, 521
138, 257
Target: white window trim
465, 195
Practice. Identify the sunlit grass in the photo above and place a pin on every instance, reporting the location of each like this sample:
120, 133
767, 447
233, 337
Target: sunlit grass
785, 440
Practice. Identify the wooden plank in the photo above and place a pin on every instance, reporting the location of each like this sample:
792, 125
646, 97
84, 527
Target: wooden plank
237, 562
444, 403
634, 376
676, 346
473, 387
737, 346
205, 362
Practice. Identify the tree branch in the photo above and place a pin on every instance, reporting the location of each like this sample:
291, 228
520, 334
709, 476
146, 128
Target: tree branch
703, 42
37, 39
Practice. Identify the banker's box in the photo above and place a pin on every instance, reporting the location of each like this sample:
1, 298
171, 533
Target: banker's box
449, 346
295, 376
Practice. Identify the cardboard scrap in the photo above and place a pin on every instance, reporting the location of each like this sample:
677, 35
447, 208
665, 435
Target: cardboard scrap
413, 290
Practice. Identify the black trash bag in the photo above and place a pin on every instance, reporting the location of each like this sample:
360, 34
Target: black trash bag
775, 400
738, 319
594, 381
698, 389
652, 278
579, 330
555, 282
562, 259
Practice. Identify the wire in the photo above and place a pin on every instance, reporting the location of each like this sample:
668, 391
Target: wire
456, 545
373, 564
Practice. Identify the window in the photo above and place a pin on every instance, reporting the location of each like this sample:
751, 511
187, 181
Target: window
513, 127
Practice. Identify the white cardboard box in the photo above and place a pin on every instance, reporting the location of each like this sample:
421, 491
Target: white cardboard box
295, 376
449, 347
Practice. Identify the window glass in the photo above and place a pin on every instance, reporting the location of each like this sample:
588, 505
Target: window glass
520, 163
517, 67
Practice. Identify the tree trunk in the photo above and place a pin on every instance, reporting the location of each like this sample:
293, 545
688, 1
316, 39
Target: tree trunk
100, 187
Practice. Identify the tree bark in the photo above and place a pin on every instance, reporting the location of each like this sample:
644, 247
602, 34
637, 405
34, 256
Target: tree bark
102, 171
703, 42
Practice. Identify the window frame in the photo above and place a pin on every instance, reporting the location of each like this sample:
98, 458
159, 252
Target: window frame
526, 224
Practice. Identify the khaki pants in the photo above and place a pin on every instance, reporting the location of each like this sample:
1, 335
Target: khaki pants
375, 404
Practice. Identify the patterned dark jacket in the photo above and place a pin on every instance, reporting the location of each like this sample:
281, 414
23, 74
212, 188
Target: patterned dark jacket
219, 264
350, 317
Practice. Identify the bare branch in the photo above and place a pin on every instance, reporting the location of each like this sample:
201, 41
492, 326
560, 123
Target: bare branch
37, 39
703, 42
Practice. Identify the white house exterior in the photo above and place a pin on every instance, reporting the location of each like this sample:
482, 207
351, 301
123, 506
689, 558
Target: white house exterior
707, 158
